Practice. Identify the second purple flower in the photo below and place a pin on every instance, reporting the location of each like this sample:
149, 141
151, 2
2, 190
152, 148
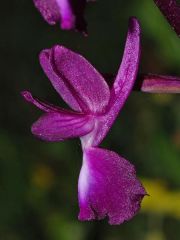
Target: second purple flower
69, 13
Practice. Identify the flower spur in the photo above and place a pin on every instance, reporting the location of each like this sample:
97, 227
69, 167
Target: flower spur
107, 185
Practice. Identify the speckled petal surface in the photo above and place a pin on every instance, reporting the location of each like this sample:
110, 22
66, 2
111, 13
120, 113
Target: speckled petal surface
59, 126
108, 187
49, 9
171, 10
75, 79
127, 72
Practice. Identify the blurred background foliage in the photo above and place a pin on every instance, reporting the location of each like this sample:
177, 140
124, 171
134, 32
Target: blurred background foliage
38, 180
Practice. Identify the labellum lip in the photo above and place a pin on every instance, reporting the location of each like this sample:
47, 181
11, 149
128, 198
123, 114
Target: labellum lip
108, 187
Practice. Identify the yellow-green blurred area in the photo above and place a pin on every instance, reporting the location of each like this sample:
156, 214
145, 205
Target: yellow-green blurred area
38, 180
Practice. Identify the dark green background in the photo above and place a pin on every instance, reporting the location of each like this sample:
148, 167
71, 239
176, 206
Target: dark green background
38, 181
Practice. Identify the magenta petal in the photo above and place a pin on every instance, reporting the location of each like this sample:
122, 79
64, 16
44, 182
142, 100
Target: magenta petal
62, 125
171, 10
108, 187
68, 12
127, 73
59, 83
75, 79
67, 15
122, 86
54, 11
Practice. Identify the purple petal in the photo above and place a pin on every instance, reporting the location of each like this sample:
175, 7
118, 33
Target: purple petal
108, 187
69, 13
122, 86
153, 83
49, 9
171, 10
62, 125
127, 73
75, 79
59, 83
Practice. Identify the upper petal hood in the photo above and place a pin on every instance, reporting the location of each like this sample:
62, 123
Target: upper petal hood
108, 187
75, 79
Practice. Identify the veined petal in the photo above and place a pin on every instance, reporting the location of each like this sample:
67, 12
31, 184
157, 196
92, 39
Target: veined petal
153, 83
57, 126
171, 10
108, 187
122, 86
75, 79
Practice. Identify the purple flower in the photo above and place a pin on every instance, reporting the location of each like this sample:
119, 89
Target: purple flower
68, 12
171, 10
107, 185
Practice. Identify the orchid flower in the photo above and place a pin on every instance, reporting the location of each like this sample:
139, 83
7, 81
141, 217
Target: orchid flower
171, 10
107, 185
68, 12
